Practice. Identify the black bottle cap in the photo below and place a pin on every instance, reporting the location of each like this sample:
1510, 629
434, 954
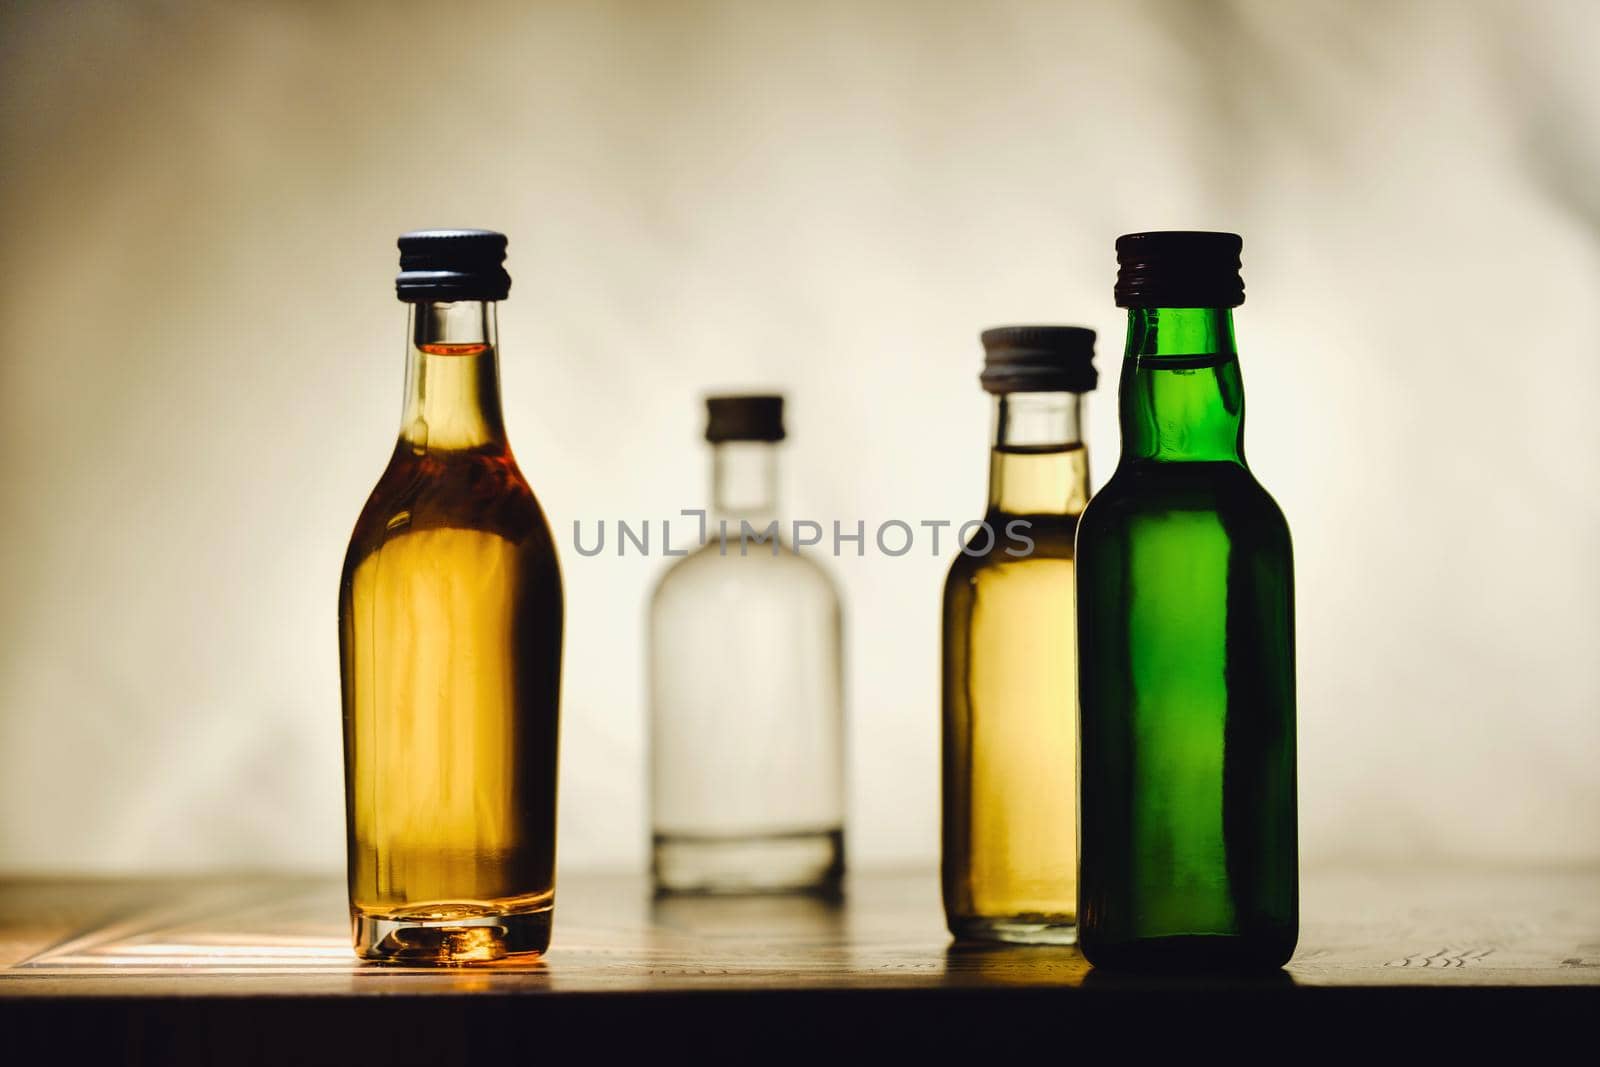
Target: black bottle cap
452, 265
744, 418
1179, 269
1038, 359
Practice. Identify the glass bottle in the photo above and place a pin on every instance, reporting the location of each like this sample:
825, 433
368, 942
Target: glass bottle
450, 620
1009, 857
1186, 645
746, 697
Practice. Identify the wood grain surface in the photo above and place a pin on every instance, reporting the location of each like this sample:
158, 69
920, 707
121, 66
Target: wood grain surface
196, 970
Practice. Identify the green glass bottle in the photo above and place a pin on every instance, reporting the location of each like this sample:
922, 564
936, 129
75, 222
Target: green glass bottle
1187, 824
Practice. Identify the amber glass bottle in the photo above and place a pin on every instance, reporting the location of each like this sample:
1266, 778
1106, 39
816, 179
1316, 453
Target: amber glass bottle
1010, 736
450, 614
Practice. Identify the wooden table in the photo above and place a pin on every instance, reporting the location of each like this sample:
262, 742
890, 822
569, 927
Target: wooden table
245, 970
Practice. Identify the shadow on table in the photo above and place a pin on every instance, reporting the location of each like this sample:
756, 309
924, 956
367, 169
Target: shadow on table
1197, 982
1063, 966
973, 963
769, 918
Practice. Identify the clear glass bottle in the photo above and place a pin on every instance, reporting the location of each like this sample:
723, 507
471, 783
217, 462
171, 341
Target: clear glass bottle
1009, 853
450, 625
746, 698
1186, 645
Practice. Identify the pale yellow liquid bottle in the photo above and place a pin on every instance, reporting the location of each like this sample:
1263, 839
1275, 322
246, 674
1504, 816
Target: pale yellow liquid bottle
1010, 727
450, 620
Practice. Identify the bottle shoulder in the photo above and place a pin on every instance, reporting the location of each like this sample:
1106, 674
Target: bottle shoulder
1139, 492
749, 570
1147, 486
469, 489
1006, 539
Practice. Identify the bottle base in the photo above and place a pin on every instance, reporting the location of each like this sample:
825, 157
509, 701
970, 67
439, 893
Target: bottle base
1190, 954
1017, 929
811, 862
473, 934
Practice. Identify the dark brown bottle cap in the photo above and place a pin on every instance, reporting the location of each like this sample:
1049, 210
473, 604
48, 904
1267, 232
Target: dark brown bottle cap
1038, 359
744, 418
452, 265
1179, 269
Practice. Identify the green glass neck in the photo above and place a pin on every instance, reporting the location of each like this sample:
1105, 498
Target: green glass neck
1181, 396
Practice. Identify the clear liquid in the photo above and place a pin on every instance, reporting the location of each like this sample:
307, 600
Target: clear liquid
747, 728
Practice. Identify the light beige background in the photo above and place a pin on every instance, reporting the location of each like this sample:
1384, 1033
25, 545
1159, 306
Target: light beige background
202, 365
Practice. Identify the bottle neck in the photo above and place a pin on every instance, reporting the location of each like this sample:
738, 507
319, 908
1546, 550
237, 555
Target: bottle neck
744, 480
452, 378
1181, 398
1038, 465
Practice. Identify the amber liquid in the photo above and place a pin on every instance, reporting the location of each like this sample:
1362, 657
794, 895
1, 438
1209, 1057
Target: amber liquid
1010, 744
450, 623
